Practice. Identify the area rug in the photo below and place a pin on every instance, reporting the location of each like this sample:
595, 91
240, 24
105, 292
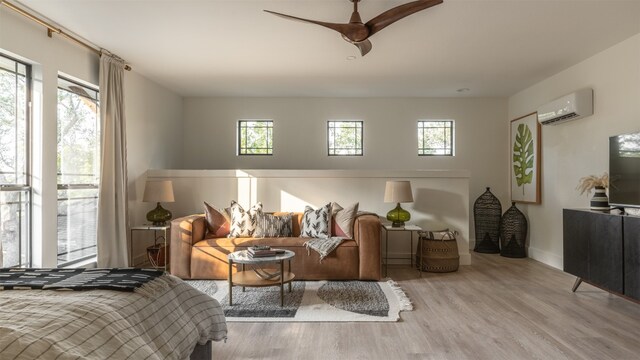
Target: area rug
311, 301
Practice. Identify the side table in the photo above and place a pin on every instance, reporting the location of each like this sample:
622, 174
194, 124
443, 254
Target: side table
386, 228
156, 229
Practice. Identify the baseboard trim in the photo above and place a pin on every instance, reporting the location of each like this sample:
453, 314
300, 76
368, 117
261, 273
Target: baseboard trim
465, 259
546, 257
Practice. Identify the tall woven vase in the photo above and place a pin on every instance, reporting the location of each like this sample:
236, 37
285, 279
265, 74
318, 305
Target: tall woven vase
600, 201
487, 213
513, 233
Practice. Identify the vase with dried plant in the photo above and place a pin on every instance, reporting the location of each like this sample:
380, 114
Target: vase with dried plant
599, 184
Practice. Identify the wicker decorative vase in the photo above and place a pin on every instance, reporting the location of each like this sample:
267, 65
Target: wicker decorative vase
513, 233
437, 251
487, 213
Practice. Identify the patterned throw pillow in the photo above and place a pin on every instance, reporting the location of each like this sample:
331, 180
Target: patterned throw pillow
316, 223
273, 226
342, 220
218, 222
243, 223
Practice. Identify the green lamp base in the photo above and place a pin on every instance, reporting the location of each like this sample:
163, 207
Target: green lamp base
398, 216
159, 216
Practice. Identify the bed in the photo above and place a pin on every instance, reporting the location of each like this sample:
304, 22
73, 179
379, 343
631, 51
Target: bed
164, 319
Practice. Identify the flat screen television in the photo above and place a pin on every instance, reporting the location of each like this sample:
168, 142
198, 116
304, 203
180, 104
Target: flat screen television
624, 170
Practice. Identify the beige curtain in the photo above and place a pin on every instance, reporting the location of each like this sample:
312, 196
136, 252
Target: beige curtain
112, 204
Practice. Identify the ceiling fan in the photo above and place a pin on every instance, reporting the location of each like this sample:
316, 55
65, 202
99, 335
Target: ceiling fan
358, 33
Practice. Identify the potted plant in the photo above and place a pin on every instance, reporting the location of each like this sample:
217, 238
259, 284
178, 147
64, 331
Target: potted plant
599, 184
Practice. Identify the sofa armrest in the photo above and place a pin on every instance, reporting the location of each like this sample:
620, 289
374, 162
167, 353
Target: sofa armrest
185, 232
366, 233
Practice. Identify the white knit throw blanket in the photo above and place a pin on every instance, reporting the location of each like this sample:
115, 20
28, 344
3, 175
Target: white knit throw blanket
323, 247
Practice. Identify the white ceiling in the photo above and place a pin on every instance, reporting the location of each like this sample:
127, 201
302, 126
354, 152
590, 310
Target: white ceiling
233, 48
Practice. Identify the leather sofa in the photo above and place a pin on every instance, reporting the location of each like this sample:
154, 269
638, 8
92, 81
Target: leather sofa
197, 255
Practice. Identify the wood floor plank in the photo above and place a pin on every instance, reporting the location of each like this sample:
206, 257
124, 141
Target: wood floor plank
497, 308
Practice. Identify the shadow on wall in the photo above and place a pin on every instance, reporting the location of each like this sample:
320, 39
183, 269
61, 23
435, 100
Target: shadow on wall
450, 205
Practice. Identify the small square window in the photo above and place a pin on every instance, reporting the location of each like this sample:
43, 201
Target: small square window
255, 137
435, 138
344, 138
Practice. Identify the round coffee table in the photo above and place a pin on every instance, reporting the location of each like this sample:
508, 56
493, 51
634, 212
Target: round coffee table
258, 276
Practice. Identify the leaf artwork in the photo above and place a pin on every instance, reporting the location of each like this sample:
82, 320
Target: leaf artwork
523, 156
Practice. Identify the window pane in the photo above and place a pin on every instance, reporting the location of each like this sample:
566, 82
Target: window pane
77, 224
78, 138
78, 164
255, 137
344, 138
14, 228
15, 202
13, 122
435, 137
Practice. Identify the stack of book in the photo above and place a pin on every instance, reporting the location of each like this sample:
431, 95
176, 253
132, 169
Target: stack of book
260, 251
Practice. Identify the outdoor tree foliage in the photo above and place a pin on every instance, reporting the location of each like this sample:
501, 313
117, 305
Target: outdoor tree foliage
345, 138
13, 164
434, 138
523, 156
12, 127
256, 137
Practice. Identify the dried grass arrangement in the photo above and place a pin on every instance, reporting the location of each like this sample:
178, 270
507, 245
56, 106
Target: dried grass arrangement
588, 183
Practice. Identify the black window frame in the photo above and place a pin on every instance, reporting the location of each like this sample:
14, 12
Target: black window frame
359, 147
269, 127
451, 138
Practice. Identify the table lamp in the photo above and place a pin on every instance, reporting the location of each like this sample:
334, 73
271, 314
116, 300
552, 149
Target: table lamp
398, 192
158, 191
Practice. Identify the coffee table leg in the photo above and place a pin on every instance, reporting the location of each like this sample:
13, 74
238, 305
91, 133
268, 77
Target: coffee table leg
243, 270
289, 271
281, 283
230, 282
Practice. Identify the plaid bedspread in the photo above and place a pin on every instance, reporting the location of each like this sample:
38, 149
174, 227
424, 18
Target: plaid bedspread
162, 320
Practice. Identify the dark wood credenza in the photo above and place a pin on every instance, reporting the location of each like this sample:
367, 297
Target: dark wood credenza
603, 249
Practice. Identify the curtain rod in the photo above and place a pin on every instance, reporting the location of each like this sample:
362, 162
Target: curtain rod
52, 29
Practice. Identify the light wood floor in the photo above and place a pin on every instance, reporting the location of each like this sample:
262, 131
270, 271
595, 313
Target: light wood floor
497, 308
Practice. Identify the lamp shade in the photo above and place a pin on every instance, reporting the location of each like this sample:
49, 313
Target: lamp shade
158, 191
398, 192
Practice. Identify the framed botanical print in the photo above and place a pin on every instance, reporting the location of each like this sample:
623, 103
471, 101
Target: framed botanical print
524, 147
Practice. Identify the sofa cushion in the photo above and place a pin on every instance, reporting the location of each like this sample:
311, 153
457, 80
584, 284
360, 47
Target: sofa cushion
270, 226
342, 220
243, 223
296, 220
218, 222
316, 223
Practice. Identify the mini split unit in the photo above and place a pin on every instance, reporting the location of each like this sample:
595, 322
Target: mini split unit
569, 107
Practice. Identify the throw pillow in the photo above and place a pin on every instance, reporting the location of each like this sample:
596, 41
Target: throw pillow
342, 220
218, 222
243, 223
273, 226
316, 223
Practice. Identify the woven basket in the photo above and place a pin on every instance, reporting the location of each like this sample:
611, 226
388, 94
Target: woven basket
155, 253
437, 251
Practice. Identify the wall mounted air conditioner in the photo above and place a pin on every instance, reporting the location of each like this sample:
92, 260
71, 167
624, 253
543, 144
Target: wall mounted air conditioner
569, 107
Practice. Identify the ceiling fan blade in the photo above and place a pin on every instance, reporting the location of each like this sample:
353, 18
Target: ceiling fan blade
392, 15
364, 46
341, 28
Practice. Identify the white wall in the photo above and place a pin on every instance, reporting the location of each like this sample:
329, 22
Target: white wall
390, 136
153, 115
579, 148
